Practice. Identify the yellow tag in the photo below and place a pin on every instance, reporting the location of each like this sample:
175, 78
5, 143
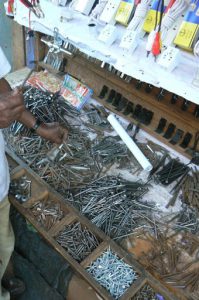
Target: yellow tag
186, 35
124, 12
149, 22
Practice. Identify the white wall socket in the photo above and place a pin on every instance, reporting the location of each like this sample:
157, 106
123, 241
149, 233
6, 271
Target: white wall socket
170, 58
108, 34
130, 40
84, 6
109, 12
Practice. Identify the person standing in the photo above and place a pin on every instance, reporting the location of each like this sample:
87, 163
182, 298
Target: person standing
12, 108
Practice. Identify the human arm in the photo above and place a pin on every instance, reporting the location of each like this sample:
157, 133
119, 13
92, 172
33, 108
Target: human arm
12, 108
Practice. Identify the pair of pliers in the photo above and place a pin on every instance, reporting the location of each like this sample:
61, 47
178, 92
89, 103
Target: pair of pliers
34, 6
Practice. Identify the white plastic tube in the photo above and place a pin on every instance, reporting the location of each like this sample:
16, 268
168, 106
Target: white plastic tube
143, 161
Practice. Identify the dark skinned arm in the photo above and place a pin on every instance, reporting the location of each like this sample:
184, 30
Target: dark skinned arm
4, 86
12, 108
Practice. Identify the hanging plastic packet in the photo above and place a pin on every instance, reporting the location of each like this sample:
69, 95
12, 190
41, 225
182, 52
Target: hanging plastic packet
75, 92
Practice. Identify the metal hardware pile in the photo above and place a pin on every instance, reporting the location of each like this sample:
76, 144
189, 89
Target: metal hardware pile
109, 151
171, 172
147, 293
112, 273
190, 189
115, 205
21, 189
187, 220
153, 152
78, 241
47, 213
42, 105
78, 161
166, 260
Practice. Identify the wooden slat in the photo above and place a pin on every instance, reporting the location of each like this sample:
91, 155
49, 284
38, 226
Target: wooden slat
19, 56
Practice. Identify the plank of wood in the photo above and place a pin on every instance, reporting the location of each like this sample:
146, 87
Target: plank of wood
19, 57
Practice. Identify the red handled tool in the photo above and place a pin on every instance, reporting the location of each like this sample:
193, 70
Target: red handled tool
34, 6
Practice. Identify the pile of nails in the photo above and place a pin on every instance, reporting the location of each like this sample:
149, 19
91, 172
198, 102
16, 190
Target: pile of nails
114, 205
109, 151
171, 172
47, 213
112, 273
78, 241
40, 104
78, 161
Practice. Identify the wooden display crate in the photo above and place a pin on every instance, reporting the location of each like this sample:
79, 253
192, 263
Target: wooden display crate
41, 192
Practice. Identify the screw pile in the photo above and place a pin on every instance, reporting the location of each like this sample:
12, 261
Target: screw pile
147, 293
21, 189
112, 273
78, 241
47, 213
114, 205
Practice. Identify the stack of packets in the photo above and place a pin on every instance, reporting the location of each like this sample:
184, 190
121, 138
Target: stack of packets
75, 92
45, 81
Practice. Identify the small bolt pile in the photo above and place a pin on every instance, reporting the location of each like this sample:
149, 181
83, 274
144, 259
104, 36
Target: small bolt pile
114, 205
147, 293
78, 241
21, 189
47, 213
172, 171
112, 273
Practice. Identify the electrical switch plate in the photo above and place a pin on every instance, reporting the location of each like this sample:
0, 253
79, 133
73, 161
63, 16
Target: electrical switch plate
109, 12
130, 40
84, 6
108, 34
170, 58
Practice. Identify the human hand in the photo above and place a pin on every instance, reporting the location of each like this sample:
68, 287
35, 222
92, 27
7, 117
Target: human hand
11, 107
53, 132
